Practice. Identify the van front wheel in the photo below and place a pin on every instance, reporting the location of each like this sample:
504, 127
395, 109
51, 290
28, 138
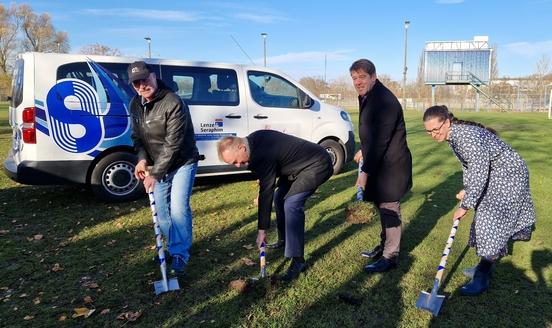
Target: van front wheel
113, 178
336, 153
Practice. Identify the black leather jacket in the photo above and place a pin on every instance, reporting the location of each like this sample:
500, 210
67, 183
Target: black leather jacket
162, 132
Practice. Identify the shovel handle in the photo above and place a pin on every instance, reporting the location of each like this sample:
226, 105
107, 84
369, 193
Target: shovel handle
158, 241
360, 191
446, 252
262, 259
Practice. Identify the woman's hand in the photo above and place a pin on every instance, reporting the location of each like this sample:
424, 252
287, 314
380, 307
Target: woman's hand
460, 195
459, 213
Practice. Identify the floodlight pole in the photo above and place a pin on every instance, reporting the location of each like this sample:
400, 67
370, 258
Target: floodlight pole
549, 100
148, 40
546, 93
406, 25
264, 35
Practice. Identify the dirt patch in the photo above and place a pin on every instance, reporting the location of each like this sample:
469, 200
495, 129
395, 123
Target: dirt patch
360, 212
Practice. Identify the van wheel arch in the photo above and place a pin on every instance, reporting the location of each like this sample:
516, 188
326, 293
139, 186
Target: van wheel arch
336, 151
112, 177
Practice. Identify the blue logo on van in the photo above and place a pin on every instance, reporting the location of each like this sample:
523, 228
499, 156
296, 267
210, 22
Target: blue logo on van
84, 119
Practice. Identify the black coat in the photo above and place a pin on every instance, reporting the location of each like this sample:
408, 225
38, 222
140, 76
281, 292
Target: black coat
387, 159
273, 154
162, 132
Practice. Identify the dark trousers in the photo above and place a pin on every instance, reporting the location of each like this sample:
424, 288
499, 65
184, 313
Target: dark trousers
390, 214
290, 219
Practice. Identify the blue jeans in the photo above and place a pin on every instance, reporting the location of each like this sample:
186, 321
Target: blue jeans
172, 198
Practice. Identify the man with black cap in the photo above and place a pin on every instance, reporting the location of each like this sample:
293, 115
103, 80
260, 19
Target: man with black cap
163, 137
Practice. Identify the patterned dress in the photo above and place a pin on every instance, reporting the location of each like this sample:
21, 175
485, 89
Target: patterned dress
496, 182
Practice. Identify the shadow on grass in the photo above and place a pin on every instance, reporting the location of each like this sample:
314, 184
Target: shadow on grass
372, 307
212, 276
513, 300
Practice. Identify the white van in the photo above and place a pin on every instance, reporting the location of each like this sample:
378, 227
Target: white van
70, 121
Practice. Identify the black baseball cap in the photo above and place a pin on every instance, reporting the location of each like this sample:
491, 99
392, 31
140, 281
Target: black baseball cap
138, 70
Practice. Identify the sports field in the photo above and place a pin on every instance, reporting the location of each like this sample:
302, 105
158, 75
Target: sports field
63, 250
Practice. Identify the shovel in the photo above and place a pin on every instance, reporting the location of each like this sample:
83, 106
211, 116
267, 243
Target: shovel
165, 284
432, 302
262, 263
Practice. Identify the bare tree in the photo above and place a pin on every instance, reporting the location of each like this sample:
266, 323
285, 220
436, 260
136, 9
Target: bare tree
99, 49
8, 37
344, 86
39, 33
541, 72
421, 90
394, 86
316, 84
494, 62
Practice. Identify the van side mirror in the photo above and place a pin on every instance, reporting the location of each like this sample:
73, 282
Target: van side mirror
9, 98
306, 101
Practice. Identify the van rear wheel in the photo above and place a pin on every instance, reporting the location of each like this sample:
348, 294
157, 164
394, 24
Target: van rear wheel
336, 153
113, 178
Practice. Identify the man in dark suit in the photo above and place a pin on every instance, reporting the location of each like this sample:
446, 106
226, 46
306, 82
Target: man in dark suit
301, 167
386, 173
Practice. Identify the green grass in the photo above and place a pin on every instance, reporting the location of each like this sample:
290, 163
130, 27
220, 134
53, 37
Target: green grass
111, 245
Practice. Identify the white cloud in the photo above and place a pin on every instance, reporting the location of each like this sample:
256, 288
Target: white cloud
448, 2
260, 18
307, 57
529, 49
169, 15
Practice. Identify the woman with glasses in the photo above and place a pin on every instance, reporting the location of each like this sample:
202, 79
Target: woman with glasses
496, 187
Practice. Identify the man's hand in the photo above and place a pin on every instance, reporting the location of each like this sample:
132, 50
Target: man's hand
362, 180
460, 195
140, 170
358, 156
459, 213
261, 237
149, 183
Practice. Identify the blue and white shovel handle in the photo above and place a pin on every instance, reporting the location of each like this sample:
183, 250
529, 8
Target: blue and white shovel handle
360, 191
158, 240
446, 252
262, 259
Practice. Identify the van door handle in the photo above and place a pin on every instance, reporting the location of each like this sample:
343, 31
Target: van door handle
233, 116
260, 117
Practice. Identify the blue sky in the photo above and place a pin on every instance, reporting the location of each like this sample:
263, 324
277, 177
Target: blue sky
302, 33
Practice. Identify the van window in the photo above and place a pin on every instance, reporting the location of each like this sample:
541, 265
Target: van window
17, 83
202, 85
81, 71
270, 90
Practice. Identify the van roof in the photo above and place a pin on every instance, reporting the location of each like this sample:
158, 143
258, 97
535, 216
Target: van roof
152, 61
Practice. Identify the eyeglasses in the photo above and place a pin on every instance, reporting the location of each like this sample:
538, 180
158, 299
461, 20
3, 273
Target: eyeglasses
138, 83
436, 130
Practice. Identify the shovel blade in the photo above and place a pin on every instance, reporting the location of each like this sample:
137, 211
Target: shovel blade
172, 284
430, 302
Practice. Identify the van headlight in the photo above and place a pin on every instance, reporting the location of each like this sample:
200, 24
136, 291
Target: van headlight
345, 116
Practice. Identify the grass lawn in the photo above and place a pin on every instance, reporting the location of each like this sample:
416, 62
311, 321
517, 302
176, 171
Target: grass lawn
100, 256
